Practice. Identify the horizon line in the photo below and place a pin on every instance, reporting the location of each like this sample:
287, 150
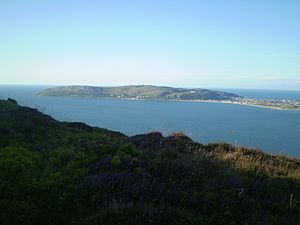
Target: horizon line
175, 86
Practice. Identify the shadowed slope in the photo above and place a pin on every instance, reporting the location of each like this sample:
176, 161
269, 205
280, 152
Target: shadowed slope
70, 173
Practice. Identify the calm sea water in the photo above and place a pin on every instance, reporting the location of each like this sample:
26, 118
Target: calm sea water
271, 130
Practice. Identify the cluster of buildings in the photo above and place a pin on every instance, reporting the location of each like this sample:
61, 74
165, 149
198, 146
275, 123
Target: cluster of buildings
287, 103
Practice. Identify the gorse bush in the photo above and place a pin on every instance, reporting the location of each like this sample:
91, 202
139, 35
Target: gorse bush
116, 162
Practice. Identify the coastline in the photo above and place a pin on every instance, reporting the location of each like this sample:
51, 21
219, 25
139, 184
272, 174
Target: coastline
244, 104
178, 100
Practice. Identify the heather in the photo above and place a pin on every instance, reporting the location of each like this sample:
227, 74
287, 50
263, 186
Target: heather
55, 172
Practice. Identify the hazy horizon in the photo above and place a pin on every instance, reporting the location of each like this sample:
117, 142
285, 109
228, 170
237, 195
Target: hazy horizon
237, 45
175, 86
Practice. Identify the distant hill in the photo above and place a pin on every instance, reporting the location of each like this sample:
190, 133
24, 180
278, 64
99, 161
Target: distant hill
61, 173
139, 92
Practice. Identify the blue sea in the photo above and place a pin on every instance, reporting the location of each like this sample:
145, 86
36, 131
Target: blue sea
275, 131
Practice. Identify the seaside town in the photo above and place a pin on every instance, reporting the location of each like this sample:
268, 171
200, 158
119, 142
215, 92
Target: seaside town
268, 103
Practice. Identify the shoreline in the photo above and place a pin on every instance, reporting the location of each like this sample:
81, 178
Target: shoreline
243, 104
174, 100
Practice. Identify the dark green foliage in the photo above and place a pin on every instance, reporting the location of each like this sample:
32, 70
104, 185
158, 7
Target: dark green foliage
116, 162
128, 149
70, 173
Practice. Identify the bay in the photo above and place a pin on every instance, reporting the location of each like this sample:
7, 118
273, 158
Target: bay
275, 131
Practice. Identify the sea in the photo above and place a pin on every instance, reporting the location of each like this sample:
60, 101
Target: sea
273, 131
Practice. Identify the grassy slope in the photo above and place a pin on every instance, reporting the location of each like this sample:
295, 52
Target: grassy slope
70, 173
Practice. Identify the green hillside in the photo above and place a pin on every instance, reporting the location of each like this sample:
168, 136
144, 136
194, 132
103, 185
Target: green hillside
139, 92
57, 173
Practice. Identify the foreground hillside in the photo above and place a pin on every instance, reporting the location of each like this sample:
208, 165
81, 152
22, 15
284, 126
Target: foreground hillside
139, 92
70, 173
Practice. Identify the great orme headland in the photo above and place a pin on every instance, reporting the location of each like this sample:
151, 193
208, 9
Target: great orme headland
150, 92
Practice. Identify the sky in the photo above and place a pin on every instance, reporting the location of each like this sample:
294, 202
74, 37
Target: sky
186, 43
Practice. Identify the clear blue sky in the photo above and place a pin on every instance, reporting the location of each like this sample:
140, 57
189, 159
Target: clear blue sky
188, 43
